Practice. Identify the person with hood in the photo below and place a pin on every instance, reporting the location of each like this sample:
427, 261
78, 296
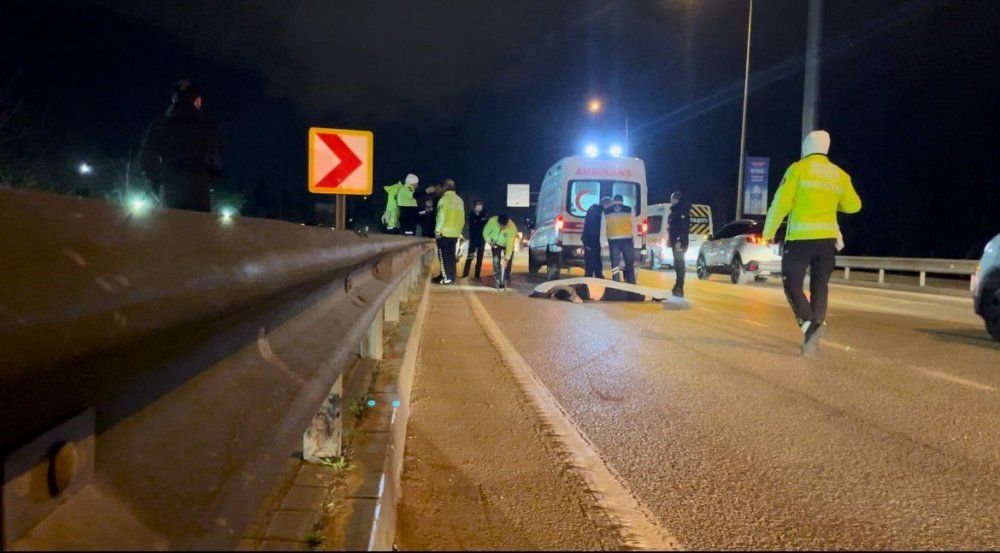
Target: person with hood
592, 264
501, 235
180, 152
678, 231
407, 203
450, 220
400, 204
477, 221
811, 193
618, 224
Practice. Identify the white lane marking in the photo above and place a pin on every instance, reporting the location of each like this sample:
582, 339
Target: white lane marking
957, 380
748, 321
707, 310
638, 525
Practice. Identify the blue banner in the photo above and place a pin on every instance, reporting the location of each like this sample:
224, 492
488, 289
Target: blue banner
755, 186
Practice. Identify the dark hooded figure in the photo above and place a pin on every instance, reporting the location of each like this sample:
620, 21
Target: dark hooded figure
180, 152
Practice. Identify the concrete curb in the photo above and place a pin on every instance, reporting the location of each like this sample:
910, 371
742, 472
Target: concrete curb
383, 529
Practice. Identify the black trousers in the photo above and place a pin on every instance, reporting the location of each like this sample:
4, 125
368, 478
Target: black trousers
501, 270
408, 220
480, 250
622, 249
446, 255
680, 269
820, 257
592, 265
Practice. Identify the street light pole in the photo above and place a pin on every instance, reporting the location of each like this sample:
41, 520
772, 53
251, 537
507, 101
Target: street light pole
810, 94
743, 127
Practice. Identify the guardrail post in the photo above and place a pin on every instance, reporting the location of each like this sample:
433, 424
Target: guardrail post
323, 438
371, 345
923, 278
847, 273
391, 308
881, 276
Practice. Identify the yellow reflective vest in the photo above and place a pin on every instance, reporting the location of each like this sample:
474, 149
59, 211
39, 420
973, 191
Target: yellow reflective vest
618, 222
811, 193
450, 215
503, 237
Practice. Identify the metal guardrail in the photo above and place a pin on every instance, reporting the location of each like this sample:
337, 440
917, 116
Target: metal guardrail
922, 266
159, 369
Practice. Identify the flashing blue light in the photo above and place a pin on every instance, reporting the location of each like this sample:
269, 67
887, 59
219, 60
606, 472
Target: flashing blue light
371, 403
227, 212
615, 150
395, 403
591, 150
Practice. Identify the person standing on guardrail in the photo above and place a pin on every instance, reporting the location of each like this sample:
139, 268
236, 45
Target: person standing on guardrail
450, 220
592, 264
477, 222
621, 245
180, 152
811, 193
501, 234
678, 231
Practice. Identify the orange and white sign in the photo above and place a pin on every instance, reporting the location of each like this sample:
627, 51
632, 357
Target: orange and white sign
340, 161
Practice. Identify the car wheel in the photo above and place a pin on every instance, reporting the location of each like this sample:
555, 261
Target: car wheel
736, 272
991, 311
533, 266
702, 268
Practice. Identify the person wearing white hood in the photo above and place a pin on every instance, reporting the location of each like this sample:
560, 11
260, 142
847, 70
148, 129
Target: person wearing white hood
811, 193
400, 216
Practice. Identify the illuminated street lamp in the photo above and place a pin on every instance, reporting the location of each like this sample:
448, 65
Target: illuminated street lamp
596, 106
85, 168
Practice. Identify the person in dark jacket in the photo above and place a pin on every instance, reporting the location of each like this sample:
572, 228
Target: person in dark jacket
593, 267
477, 244
180, 152
425, 218
678, 232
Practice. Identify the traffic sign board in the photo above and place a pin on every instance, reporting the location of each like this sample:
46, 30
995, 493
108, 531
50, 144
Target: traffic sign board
340, 161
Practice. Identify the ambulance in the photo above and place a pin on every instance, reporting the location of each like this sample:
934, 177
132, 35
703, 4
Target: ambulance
569, 188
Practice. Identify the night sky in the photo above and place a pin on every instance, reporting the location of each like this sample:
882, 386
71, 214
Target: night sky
490, 93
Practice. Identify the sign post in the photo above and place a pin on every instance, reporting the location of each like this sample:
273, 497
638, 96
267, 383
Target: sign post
518, 195
755, 192
340, 163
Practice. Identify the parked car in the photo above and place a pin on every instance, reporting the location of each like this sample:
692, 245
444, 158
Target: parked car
739, 250
986, 283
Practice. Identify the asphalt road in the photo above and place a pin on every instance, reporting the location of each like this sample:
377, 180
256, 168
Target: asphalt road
888, 438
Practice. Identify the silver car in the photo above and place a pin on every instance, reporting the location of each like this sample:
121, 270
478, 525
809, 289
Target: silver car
739, 250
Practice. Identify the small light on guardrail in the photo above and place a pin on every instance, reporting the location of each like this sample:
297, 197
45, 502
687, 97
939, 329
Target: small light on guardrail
371, 403
395, 403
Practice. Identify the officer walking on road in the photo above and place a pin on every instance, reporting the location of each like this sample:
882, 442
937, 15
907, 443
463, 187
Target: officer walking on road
618, 222
450, 220
811, 193
501, 234
678, 232
477, 222
592, 264
180, 152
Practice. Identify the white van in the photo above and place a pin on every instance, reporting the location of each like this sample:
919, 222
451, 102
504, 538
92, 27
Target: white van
570, 187
659, 253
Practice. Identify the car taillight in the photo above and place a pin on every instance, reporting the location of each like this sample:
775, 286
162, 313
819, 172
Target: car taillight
754, 239
559, 223
645, 226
